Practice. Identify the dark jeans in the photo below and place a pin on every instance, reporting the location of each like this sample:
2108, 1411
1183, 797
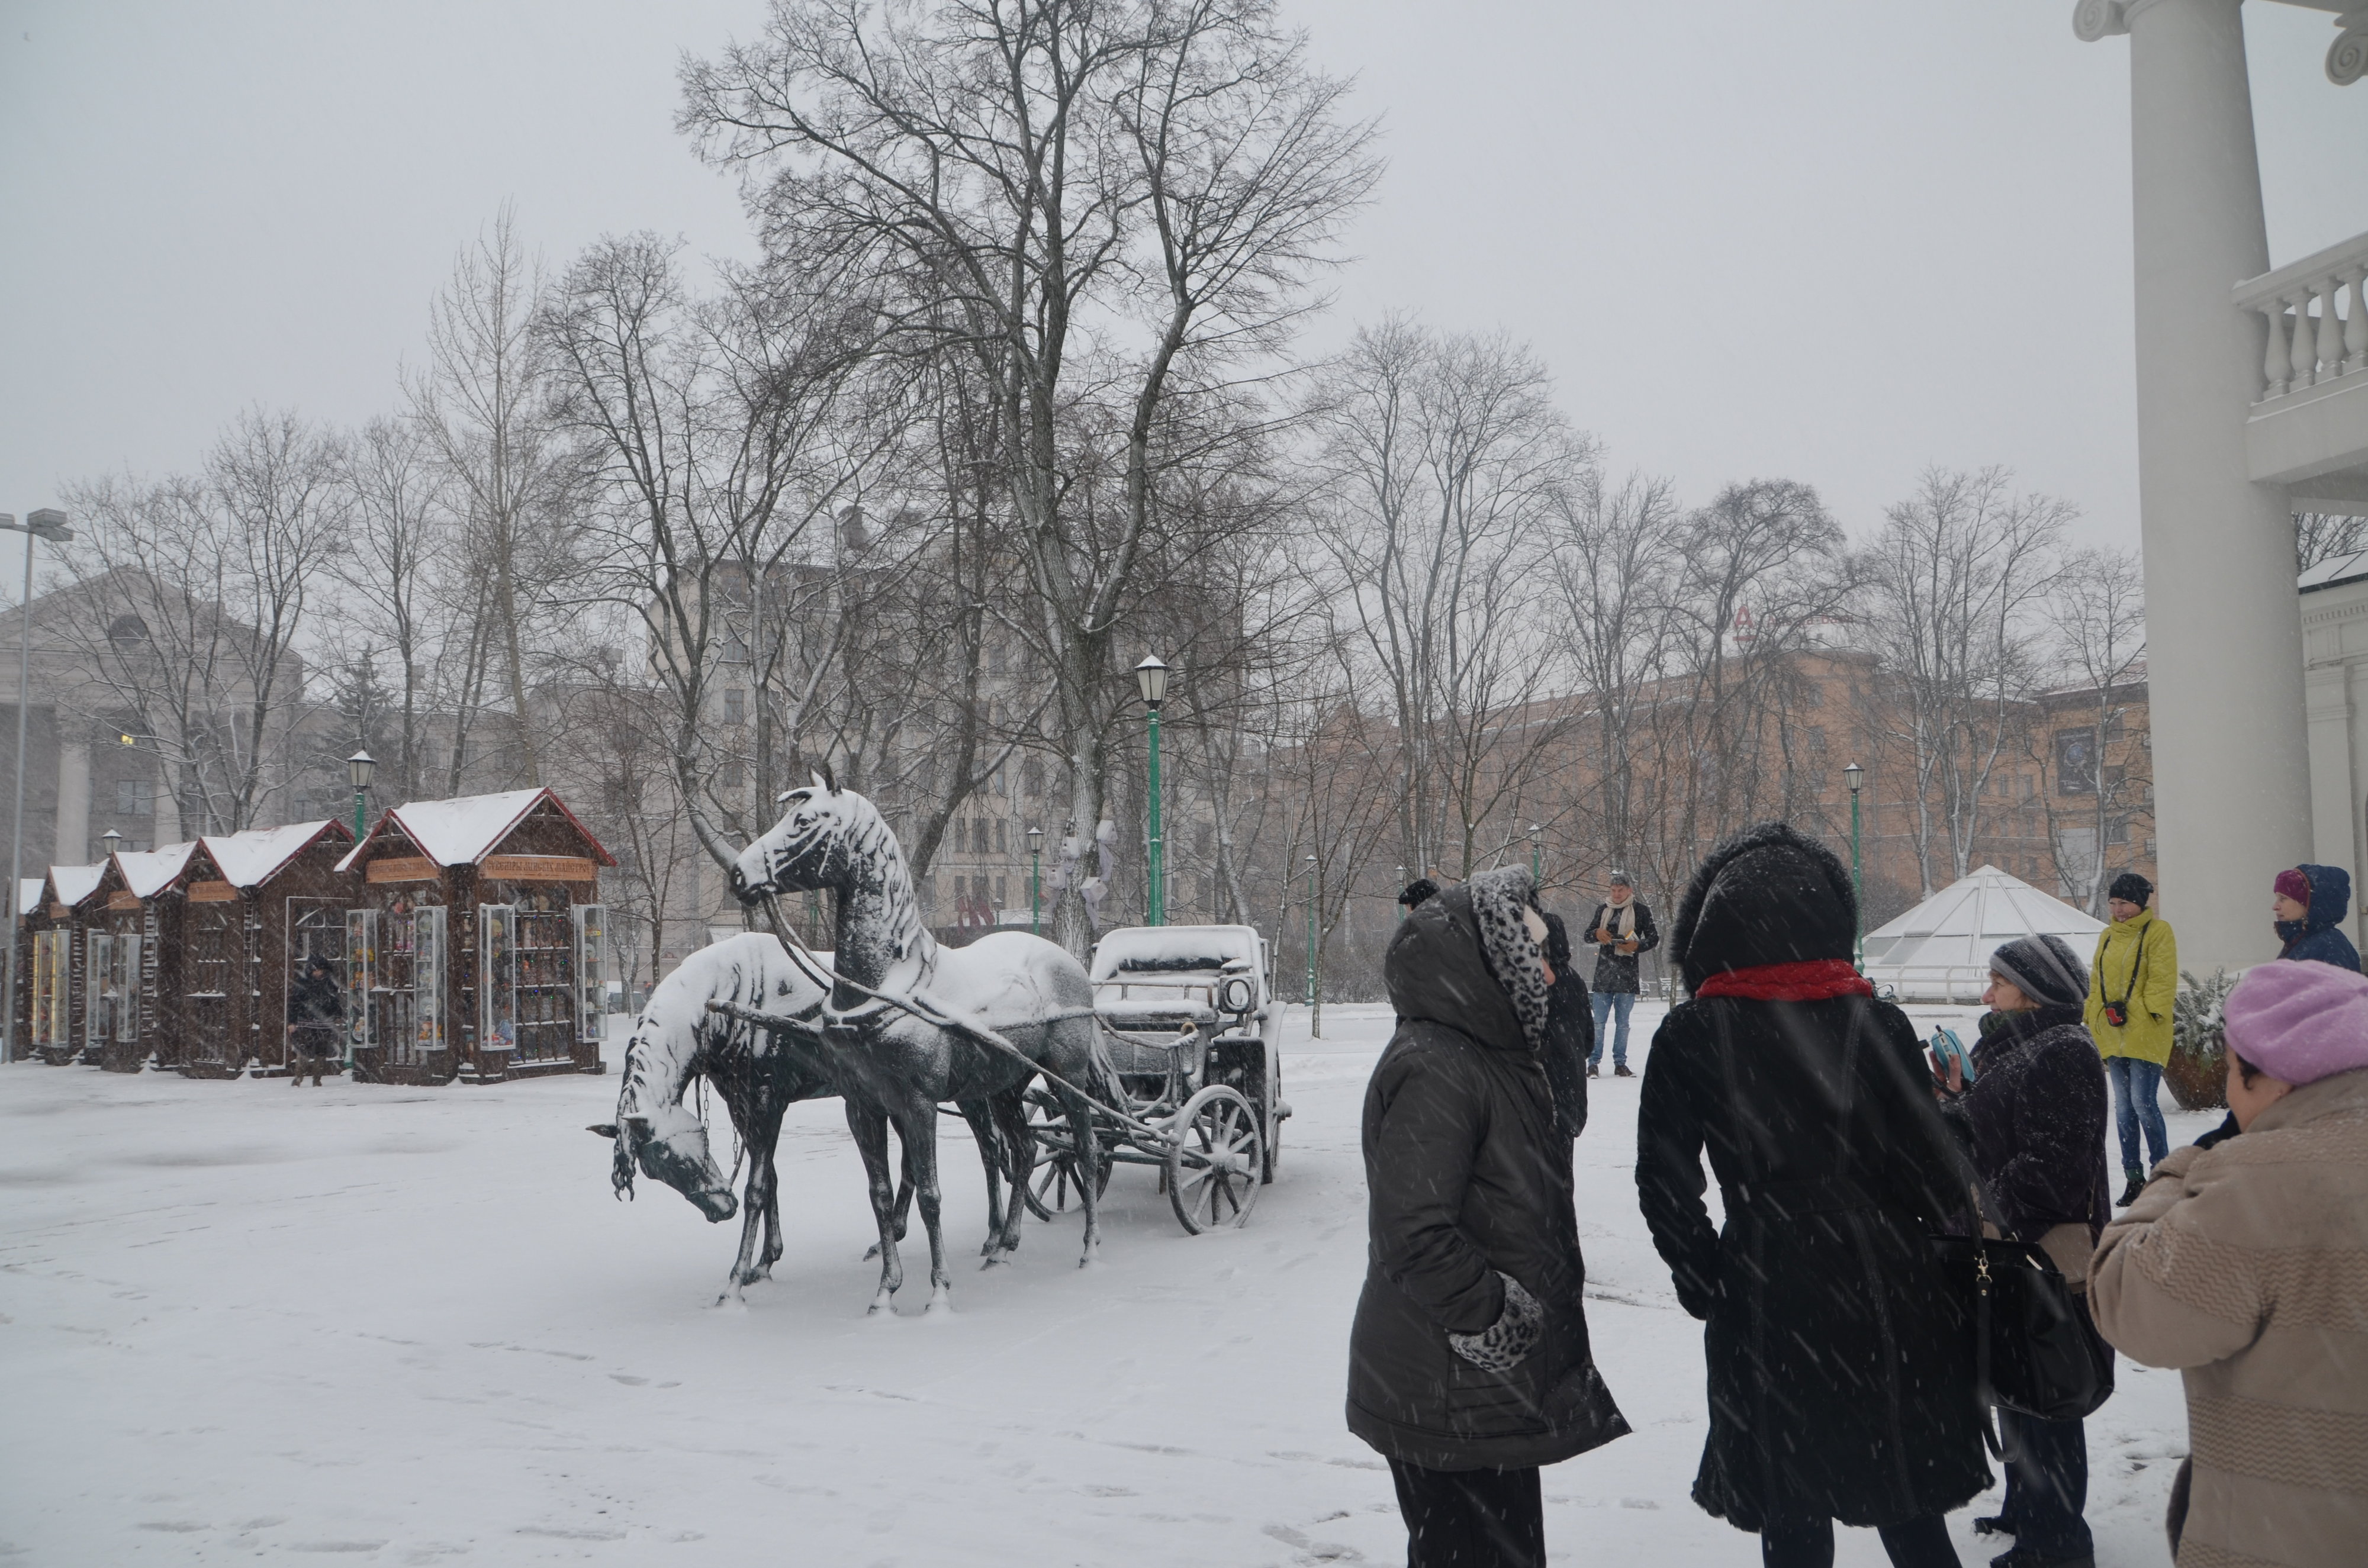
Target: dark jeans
1809, 1543
1610, 1004
1471, 1518
2137, 1104
2046, 1484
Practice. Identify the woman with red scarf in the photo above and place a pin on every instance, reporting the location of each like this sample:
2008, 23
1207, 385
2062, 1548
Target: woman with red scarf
1842, 1377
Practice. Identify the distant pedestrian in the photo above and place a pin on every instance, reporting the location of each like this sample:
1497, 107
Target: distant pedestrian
2132, 982
2243, 1265
2308, 907
1570, 1031
2034, 1119
315, 1014
1621, 929
1840, 1362
1469, 1365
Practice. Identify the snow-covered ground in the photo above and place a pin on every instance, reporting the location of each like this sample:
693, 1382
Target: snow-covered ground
411, 1326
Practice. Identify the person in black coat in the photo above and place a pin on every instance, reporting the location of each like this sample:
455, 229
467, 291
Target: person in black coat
1469, 1365
1570, 1033
1842, 1373
2033, 1117
315, 1011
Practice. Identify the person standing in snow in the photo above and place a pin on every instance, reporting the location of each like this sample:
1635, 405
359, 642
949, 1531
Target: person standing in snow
1469, 1365
2242, 1266
1840, 1363
314, 1014
2308, 907
1621, 929
1570, 1031
2132, 982
2034, 1120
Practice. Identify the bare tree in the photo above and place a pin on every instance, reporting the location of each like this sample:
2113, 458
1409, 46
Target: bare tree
1105, 203
2324, 536
1959, 572
2097, 611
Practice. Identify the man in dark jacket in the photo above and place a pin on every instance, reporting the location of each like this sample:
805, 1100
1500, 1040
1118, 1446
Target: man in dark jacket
315, 1011
1469, 1365
1620, 930
1841, 1364
2308, 907
2034, 1121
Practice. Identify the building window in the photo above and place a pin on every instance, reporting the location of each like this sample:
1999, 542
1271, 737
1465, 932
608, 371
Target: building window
1000, 841
1031, 778
729, 775
998, 893
135, 797
999, 782
736, 707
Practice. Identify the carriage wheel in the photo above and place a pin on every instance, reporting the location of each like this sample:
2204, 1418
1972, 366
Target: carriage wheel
1052, 1182
1214, 1161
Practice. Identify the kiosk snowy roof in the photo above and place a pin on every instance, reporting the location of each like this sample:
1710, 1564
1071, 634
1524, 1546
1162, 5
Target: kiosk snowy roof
251, 858
463, 831
147, 872
74, 883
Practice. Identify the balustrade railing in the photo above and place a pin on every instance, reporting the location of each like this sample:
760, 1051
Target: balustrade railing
2317, 312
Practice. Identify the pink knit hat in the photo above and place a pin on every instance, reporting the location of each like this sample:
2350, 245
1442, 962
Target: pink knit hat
2300, 1020
2295, 885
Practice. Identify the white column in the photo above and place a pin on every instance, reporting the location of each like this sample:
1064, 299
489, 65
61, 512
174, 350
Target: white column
2223, 634
73, 802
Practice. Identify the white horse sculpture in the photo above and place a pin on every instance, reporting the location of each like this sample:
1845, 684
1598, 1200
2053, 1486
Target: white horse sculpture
759, 1071
1027, 990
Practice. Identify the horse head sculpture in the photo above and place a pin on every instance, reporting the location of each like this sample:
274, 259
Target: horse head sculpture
809, 848
669, 1145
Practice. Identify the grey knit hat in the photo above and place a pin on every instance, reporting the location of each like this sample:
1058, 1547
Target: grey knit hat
2044, 968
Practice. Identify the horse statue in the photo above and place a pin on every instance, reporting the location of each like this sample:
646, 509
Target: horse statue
701, 1021
1027, 992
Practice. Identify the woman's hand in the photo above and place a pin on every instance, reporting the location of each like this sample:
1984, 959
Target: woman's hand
1948, 1076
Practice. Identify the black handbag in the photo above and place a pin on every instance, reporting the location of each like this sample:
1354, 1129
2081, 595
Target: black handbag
2035, 1350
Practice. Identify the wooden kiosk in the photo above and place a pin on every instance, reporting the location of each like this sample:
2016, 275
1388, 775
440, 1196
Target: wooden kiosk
131, 961
260, 904
55, 935
480, 948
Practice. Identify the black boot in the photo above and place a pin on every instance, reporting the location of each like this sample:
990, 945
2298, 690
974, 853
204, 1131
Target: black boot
2130, 1193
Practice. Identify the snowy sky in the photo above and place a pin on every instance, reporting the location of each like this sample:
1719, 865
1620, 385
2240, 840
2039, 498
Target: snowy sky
1830, 242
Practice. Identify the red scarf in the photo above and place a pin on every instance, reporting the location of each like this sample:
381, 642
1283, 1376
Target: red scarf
1813, 981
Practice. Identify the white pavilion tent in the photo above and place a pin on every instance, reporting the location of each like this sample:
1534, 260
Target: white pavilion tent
1940, 950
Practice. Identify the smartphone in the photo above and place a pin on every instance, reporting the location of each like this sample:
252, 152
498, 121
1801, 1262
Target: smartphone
1948, 1048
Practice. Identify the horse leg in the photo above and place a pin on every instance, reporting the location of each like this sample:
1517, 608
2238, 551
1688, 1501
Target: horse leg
980, 1114
1011, 1112
870, 1125
1081, 1123
767, 1136
903, 1195
918, 1127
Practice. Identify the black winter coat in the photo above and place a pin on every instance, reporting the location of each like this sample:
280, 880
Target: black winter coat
1570, 1033
313, 999
1468, 1177
1614, 970
2034, 1120
1841, 1365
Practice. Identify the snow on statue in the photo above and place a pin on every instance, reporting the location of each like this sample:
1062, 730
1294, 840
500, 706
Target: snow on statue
895, 1067
757, 1071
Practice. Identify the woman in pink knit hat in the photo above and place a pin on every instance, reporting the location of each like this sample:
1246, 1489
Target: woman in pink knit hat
2246, 1266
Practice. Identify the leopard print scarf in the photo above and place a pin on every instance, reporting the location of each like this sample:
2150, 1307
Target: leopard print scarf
1500, 900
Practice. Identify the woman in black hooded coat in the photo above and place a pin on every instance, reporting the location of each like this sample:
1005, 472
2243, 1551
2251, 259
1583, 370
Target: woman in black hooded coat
1842, 1377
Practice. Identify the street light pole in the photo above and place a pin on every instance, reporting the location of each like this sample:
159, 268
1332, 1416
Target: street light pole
48, 523
1857, 776
1537, 853
1311, 933
1151, 679
361, 768
1035, 882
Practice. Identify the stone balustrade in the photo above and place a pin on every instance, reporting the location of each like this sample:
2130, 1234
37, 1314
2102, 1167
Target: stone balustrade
2317, 312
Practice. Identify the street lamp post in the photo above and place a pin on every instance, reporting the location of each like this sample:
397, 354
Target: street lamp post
359, 769
1151, 679
1537, 854
48, 523
1857, 776
1402, 883
1311, 939
1035, 882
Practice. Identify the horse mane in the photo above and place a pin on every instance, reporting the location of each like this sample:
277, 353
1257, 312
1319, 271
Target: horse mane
872, 851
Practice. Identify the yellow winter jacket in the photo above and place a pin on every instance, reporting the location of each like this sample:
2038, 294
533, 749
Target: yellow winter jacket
2148, 1034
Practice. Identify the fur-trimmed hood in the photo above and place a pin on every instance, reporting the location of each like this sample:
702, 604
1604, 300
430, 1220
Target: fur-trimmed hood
1768, 894
1466, 959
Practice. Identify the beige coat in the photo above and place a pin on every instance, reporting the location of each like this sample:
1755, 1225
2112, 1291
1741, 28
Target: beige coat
2246, 1266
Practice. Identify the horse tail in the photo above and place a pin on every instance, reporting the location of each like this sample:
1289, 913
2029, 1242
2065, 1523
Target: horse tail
1107, 1087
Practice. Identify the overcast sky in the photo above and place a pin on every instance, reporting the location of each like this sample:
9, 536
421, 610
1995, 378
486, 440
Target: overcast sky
1831, 240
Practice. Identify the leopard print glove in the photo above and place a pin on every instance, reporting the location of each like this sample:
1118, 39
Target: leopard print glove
1503, 1345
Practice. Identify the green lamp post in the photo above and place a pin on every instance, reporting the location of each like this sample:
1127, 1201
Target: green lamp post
1537, 854
1151, 679
361, 768
1035, 882
1311, 931
1856, 777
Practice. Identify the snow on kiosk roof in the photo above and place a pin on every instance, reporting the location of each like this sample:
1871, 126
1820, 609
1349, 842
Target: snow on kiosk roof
69, 885
252, 859
1941, 949
147, 872
464, 831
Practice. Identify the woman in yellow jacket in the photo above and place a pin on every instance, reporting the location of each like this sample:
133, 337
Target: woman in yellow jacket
2130, 991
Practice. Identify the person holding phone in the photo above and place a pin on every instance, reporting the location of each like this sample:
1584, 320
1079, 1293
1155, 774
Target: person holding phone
2132, 982
2033, 1120
1621, 929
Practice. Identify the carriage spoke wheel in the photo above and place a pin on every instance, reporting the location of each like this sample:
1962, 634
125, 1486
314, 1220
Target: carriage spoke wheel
1052, 1182
1214, 1160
